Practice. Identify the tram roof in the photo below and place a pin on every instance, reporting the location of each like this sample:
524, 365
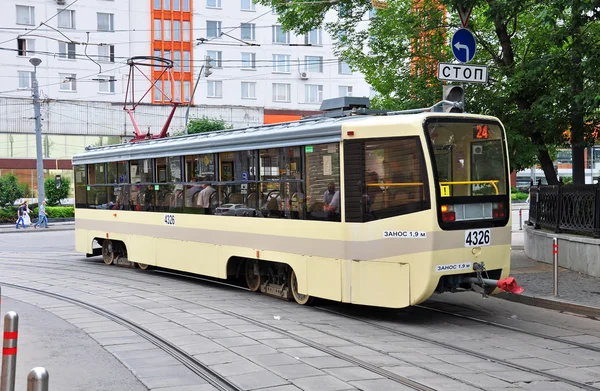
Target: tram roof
319, 130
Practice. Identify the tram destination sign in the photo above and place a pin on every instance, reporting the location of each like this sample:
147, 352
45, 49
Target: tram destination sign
462, 73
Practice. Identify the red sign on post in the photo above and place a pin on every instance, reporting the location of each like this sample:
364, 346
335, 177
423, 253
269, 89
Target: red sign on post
464, 13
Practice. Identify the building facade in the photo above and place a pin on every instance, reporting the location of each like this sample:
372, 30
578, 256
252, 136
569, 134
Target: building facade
259, 73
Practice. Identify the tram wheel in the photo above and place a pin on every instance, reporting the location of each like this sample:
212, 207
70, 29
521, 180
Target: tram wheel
252, 273
143, 266
108, 252
299, 297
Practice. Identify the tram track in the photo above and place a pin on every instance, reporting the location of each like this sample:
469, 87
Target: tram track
325, 349
210, 376
392, 330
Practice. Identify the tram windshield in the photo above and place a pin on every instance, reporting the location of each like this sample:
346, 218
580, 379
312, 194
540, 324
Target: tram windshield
469, 158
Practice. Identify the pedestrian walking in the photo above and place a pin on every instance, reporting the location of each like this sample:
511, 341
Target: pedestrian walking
42, 216
22, 214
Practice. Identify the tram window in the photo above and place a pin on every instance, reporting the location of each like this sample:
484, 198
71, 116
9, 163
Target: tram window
141, 171
97, 173
322, 168
168, 169
384, 178
199, 166
117, 172
238, 166
80, 186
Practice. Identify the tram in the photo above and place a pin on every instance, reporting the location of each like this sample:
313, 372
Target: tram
382, 209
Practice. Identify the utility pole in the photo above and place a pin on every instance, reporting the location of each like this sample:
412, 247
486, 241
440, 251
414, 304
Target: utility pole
38, 131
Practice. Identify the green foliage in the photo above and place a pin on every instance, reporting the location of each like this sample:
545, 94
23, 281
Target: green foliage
9, 214
567, 180
541, 56
205, 124
10, 190
519, 196
54, 195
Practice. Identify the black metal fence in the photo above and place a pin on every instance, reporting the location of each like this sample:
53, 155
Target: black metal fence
572, 208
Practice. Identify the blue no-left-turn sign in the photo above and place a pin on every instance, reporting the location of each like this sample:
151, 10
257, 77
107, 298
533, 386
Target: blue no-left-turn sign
463, 45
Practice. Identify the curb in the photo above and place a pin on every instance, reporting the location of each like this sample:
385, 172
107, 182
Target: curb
69, 227
560, 306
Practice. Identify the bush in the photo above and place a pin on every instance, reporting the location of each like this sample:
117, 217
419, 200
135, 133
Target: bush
54, 195
9, 214
10, 189
519, 196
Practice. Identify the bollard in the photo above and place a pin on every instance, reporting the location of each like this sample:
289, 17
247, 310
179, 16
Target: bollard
520, 220
9, 351
555, 277
37, 379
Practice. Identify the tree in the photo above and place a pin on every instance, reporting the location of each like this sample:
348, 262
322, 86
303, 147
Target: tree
542, 62
10, 190
54, 195
205, 124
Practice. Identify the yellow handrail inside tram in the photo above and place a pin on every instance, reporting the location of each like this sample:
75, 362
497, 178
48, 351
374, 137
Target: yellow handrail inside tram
383, 184
492, 182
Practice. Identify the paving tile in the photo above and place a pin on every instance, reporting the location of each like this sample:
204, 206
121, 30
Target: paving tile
199, 387
214, 358
578, 374
283, 343
348, 374
380, 385
296, 370
253, 350
320, 383
235, 341
236, 368
181, 380
303, 352
483, 380
167, 371
271, 360
326, 362
258, 380
537, 363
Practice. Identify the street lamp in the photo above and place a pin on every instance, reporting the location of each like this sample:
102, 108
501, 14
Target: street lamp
38, 130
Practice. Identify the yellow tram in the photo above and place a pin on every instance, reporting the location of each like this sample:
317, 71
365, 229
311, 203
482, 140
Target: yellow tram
379, 210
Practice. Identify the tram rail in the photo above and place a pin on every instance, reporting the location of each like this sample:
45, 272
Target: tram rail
393, 330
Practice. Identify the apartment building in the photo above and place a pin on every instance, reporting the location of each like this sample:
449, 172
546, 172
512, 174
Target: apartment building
260, 73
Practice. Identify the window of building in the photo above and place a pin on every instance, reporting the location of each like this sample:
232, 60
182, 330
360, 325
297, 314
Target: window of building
66, 19
213, 3
106, 84
167, 30
217, 57
176, 5
186, 91
248, 31
106, 22
313, 64
67, 50
370, 165
68, 81
156, 4
248, 90
186, 31
314, 37
141, 171
281, 63
249, 61
167, 4
25, 47
282, 92
157, 30
345, 91
186, 5
106, 53
344, 68
248, 5
313, 93
215, 88
280, 35
25, 15
176, 61
213, 29
186, 61
322, 169
176, 30
25, 79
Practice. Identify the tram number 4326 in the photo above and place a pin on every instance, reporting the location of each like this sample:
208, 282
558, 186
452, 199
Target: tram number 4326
477, 237
170, 219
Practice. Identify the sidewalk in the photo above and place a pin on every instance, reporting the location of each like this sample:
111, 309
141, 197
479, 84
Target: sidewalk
577, 293
52, 226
